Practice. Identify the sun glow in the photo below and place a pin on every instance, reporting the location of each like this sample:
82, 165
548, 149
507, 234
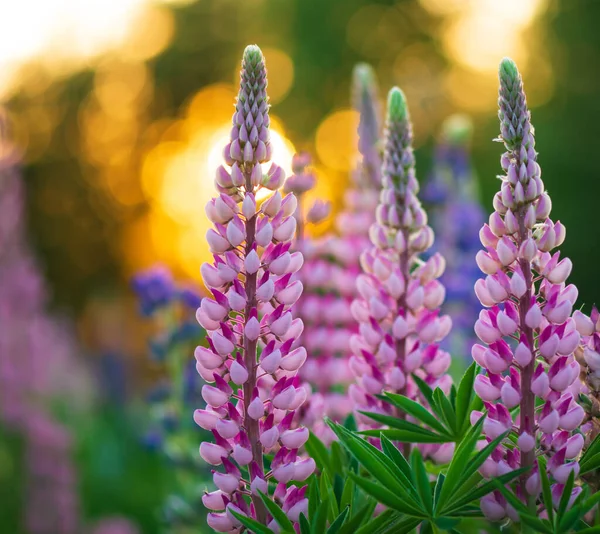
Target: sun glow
178, 180
64, 35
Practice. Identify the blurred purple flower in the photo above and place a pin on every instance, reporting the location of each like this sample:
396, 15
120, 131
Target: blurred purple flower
456, 217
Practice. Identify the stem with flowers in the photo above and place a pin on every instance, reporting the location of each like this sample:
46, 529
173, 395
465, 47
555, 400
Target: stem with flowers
253, 291
529, 304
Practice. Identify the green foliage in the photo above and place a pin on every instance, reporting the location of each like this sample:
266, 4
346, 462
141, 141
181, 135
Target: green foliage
405, 485
590, 460
561, 519
117, 476
446, 422
336, 505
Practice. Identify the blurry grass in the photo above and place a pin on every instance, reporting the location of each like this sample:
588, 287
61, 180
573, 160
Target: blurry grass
118, 476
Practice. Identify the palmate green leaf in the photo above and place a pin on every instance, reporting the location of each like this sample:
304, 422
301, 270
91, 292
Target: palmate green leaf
423, 485
446, 523
338, 487
319, 520
407, 436
405, 475
466, 512
418, 411
573, 517
414, 429
326, 490
452, 397
590, 502
543, 527
304, 525
278, 514
458, 465
427, 392
590, 530
363, 514
512, 499
314, 496
251, 524
590, 463
439, 484
346, 498
337, 457
398, 525
377, 463
399, 502
350, 423
546, 490
339, 521
473, 464
480, 491
566, 495
318, 452
464, 398
569, 519
380, 523
592, 449
448, 413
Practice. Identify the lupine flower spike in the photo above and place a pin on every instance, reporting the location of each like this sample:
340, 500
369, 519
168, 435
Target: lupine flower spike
38, 365
252, 394
331, 267
400, 296
527, 332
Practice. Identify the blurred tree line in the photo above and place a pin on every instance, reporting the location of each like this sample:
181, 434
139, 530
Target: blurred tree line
76, 226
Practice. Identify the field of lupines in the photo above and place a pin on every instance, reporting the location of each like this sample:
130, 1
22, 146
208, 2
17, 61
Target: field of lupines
325, 393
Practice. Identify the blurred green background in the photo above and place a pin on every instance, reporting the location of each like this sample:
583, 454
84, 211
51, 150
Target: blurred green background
121, 108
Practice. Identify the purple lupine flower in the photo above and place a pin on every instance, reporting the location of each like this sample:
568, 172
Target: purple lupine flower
37, 365
332, 265
171, 306
51, 483
452, 172
398, 307
155, 288
323, 369
360, 200
251, 401
527, 332
365, 100
456, 221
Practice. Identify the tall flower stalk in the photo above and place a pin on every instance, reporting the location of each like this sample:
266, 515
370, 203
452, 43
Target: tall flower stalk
37, 366
332, 264
250, 327
398, 307
527, 331
360, 200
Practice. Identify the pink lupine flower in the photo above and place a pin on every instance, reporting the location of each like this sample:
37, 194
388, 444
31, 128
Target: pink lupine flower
527, 332
332, 265
400, 324
37, 364
250, 400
